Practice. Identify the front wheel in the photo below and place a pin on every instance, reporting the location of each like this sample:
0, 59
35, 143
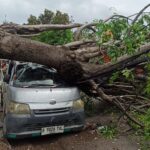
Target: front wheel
80, 129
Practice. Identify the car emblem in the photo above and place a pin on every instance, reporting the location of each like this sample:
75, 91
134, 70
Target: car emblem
52, 120
52, 102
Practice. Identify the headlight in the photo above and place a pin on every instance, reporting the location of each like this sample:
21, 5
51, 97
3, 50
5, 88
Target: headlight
18, 108
78, 104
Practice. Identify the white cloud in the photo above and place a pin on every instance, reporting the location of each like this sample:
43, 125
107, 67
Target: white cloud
82, 10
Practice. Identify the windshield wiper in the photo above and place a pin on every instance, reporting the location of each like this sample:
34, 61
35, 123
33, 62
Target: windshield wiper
38, 85
34, 85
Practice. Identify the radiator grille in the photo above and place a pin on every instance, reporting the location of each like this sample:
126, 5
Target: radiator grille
51, 111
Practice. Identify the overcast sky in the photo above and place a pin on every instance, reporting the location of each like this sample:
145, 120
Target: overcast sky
82, 10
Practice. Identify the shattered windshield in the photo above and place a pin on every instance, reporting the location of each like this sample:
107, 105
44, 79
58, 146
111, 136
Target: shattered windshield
38, 76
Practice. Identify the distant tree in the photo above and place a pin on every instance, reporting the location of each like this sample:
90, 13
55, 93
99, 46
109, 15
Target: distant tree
53, 37
33, 20
61, 18
46, 17
49, 17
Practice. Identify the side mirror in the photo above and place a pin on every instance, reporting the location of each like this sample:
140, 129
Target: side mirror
6, 78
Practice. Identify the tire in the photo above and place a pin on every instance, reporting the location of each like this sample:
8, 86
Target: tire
78, 129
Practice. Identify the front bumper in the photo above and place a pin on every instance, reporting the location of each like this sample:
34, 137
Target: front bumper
21, 126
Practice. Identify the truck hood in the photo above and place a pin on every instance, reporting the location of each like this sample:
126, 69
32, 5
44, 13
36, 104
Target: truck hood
43, 95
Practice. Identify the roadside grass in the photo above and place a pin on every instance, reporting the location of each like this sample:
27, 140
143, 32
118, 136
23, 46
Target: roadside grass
144, 133
108, 132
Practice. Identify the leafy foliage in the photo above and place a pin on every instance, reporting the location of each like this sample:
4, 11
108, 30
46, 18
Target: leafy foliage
53, 37
49, 17
114, 76
146, 120
32, 20
119, 36
147, 88
128, 74
108, 131
46, 17
143, 134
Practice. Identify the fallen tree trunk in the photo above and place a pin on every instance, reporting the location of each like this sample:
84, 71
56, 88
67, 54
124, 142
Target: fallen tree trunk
16, 48
34, 29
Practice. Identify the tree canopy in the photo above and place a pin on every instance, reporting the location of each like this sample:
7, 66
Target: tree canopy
49, 17
53, 37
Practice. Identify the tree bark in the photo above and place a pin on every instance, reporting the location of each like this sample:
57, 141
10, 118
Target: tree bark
16, 48
34, 29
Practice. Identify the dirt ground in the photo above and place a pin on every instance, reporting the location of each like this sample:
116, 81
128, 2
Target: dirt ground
88, 139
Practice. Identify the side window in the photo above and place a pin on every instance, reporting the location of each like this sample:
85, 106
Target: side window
10, 68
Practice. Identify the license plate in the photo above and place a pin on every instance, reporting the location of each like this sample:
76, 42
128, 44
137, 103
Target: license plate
52, 130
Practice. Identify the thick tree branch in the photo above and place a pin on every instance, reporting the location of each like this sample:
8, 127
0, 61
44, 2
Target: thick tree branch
93, 70
138, 15
34, 29
79, 43
113, 101
80, 29
16, 48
